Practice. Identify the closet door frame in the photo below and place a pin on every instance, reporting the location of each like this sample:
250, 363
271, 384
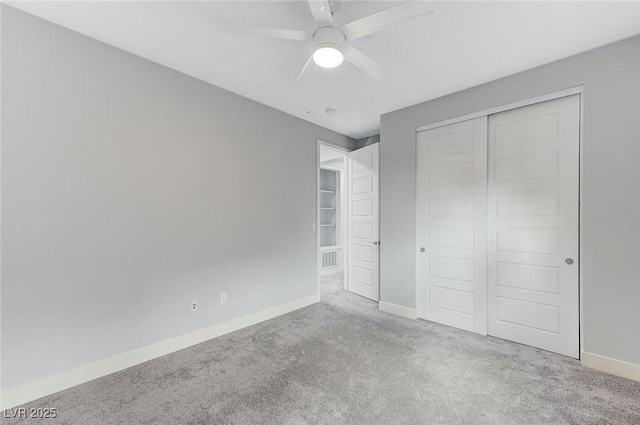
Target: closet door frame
495, 110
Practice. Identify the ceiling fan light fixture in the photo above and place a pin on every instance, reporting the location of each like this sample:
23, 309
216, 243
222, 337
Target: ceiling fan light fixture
327, 47
328, 55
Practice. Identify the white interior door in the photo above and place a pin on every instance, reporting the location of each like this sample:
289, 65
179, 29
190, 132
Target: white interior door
452, 223
363, 243
533, 225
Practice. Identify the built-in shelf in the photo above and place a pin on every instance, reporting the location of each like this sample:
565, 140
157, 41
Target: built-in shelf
328, 207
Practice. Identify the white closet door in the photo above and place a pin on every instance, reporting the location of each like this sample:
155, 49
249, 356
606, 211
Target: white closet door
533, 225
452, 223
363, 245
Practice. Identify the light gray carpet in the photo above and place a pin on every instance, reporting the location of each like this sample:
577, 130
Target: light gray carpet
342, 361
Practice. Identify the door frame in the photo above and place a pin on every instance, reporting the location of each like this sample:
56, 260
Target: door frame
579, 90
316, 226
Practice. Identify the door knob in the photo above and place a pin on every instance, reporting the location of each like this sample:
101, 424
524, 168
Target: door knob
568, 260
422, 249
376, 242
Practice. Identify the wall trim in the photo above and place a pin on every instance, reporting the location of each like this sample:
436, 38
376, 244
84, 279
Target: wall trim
399, 310
71, 378
611, 366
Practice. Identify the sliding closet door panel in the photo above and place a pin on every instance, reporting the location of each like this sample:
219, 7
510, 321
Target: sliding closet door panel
533, 225
451, 215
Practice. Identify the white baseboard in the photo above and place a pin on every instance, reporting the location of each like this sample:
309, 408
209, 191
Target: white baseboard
71, 378
612, 366
400, 310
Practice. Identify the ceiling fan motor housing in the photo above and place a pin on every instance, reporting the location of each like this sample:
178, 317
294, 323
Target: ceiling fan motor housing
328, 37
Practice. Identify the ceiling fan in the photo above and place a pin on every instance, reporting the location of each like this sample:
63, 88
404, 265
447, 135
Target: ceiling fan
331, 44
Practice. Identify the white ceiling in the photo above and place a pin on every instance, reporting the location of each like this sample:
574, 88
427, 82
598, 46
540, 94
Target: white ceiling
460, 45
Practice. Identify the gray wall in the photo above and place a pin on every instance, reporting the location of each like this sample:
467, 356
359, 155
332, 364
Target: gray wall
129, 189
610, 185
366, 141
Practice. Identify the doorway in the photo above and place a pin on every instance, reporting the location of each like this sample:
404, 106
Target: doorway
332, 213
347, 221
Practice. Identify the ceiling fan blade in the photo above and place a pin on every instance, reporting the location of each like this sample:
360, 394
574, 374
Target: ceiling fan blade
385, 18
280, 33
321, 12
362, 61
303, 75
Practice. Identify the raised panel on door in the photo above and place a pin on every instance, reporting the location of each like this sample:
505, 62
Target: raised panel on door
533, 225
363, 248
451, 219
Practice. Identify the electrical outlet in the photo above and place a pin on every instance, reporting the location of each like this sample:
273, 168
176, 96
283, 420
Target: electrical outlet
223, 298
194, 305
